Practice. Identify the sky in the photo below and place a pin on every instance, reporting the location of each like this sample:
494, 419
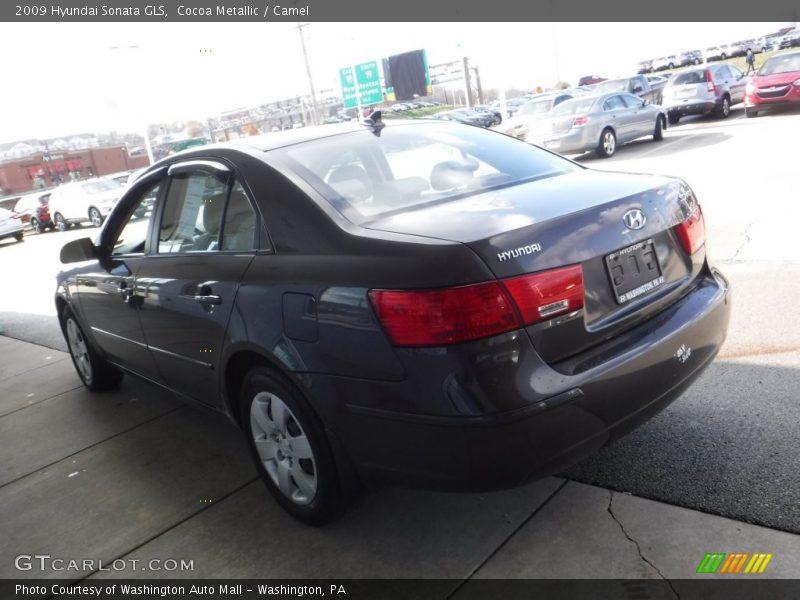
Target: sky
65, 78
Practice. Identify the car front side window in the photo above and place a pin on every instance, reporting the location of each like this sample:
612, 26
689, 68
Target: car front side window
192, 217
133, 233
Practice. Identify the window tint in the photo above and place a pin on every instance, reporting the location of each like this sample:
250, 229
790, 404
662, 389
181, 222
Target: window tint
238, 232
735, 72
192, 216
613, 103
364, 175
689, 77
131, 238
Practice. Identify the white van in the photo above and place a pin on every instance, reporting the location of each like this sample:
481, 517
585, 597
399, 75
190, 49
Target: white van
83, 201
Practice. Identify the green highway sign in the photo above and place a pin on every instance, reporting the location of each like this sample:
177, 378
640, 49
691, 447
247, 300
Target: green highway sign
369, 84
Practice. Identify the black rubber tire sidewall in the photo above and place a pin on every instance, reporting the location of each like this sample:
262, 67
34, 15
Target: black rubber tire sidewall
601, 151
327, 504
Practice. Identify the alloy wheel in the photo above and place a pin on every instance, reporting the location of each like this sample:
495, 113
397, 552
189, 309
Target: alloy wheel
609, 143
95, 217
79, 349
283, 448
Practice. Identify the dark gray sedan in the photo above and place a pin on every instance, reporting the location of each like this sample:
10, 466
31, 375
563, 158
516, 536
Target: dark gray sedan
424, 302
600, 123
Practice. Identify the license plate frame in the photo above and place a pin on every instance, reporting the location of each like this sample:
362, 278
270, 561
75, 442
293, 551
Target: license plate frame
634, 271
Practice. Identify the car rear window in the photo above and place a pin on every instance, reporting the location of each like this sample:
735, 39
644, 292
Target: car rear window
366, 175
688, 77
783, 63
535, 107
577, 106
617, 85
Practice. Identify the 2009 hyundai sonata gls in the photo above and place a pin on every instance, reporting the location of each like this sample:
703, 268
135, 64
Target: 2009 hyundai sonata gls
423, 303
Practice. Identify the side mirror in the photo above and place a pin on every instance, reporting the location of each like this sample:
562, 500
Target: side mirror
78, 251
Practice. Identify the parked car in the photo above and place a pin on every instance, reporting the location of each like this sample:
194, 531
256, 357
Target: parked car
665, 62
692, 57
468, 117
512, 104
519, 125
790, 40
600, 123
645, 66
84, 201
11, 225
656, 80
716, 53
34, 209
777, 83
493, 314
637, 85
704, 91
496, 114
590, 80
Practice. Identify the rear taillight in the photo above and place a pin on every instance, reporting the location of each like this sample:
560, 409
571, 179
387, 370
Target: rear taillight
710, 80
580, 121
447, 316
692, 232
548, 294
470, 312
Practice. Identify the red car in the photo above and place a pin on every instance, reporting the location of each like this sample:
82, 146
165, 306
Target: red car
776, 83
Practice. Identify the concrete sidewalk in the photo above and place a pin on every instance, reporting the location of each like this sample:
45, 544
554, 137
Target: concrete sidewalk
133, 474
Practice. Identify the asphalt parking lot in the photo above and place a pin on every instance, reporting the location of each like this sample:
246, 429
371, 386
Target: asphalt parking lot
134, 474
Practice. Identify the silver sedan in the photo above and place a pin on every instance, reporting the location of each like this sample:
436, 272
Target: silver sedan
600, 123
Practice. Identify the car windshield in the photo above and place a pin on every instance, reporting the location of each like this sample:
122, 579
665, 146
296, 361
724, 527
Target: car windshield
617, 85
689, 77
783, 63
365, 175
577, 106
536, 107
105, 185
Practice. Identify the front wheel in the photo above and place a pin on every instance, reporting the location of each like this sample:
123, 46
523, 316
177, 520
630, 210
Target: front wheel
95, 217
95, 373
61, 222
607, 145
658, 134
750, 113
19, 236
36, 226
674, 118
290, 448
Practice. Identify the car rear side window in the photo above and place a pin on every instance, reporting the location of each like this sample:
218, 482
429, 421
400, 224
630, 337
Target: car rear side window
239, 227
192, 216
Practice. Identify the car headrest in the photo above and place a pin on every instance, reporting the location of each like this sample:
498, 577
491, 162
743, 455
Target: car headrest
451, 173
352, 182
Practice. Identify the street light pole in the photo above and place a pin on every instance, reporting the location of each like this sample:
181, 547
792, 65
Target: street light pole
315, 114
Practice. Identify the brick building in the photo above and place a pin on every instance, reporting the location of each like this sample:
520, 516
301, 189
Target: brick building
45, 169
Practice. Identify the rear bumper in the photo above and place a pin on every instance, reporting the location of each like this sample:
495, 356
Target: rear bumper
691, 108
561, 413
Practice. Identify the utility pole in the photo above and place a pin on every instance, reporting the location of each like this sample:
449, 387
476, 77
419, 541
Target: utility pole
478, 85
467, 87
315, 115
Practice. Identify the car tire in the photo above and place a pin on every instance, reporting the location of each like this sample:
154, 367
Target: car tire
290, 448
19, 236
658, 133
36, 226
724, 109
671, 66
723, 56
61, 223
95, 217
750, 113
673, 118
763, 50
95, 373
607, 145
697, 61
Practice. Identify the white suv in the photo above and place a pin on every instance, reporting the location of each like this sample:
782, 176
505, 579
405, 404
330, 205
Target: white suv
82, 201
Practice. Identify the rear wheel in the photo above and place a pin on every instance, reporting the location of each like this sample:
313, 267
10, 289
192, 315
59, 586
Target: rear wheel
36, 226
290, 448
658, 134
724, 109
674, 118
723, 56
61, 222
607, 145
19, 236
750, 113
95, 373
95, 217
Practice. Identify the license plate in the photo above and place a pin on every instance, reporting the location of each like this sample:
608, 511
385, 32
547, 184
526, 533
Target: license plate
687, 93
634, 271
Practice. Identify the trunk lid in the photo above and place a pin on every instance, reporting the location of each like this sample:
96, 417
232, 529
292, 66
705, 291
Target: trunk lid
576, 218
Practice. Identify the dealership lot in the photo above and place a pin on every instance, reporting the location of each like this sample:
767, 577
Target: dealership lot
134, 474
